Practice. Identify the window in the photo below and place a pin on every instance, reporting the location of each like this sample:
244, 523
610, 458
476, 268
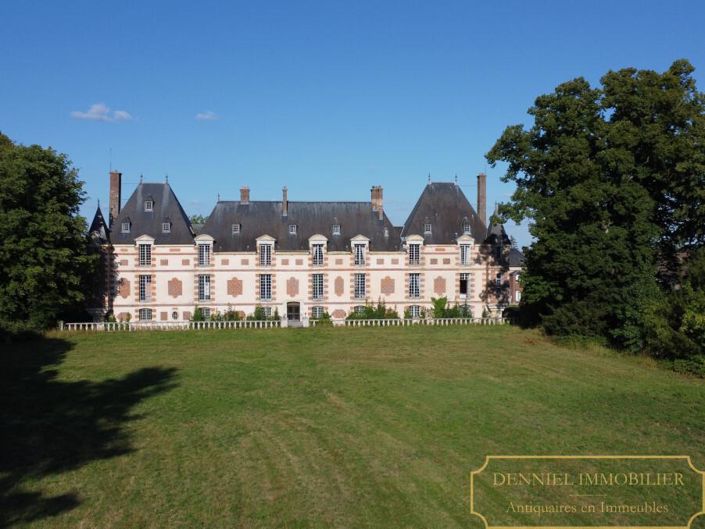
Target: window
236, 229
174, 315
359, 254
317, 283
265, 286
415, 311
145, 314
149, 205
268, 312
359, 309
414, 254
145, 254
498, 280
166, 227
464, 254
466, 227
517, 276
126, 227
317, 250
204, 254
206, 312
204, 287
427, 228
317, 312
386, 232
145, 288
464, 284
414, 285
292, 229
517, 296
265, 254
335, 230
359, 286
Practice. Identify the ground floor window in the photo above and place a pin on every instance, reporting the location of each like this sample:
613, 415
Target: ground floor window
174, 315
317, 312
359, 309
415, 311
206, 313
464, 284
268, 312
145, 314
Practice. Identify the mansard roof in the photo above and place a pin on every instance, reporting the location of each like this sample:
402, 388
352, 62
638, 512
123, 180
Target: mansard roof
165, 208
447, 209
99, 231
258, 218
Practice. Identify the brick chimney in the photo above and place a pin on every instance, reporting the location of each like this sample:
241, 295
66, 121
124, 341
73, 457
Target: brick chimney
376, 200
244, 195
115, 196
285, 201
482, 197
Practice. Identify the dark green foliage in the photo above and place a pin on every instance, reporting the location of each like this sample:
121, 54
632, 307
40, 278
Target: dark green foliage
613, 179
441, 309
44, 257
324, 320
372, 312
198, 315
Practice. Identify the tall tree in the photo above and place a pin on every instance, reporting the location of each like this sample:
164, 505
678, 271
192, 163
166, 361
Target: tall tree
43, 246
612, 179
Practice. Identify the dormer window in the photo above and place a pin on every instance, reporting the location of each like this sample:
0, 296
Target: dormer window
466, 227
236, 229
335, 230
427, 228
359, 254
265, 254
414, 254
204, 254
292, 229
166, 227
149, 205
386, 232
125, 227
317, 251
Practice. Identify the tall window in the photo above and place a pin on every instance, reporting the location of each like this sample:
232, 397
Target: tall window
145, 314
464, 284
464, 254
415, 311
145, 288
265, 254
316, 312
414, 285
204, 287
317, 280
414, 254
359, 254
466, 227
204, 254
265, 286
145, 254
317, 254
359, 286
206, 312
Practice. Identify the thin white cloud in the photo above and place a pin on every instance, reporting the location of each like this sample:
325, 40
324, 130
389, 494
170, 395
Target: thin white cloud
207, 116
101, 112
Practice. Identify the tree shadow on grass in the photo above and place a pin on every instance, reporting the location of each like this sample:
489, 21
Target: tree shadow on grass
50, 426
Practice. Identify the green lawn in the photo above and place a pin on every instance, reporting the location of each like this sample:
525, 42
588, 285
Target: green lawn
346, 428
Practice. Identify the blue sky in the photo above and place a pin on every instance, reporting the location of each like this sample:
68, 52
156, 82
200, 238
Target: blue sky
328, 98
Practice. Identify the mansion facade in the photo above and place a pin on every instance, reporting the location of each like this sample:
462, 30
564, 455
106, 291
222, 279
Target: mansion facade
300, 259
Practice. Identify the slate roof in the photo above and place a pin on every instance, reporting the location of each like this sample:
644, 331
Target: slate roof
258, 218
515, 258
446, 208
99, 228
166, 208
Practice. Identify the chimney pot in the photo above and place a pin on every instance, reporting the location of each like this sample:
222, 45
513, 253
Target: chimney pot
115, 196
482, 197
244, 195
285, 201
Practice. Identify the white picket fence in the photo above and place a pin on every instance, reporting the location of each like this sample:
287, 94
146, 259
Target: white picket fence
420, 321
268, 324
167, 325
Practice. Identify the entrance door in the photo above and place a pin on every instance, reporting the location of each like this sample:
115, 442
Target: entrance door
293, 311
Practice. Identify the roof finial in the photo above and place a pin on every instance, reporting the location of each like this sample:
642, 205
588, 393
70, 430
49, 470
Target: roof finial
218, 197
429, 177
98, 203
140, 178
166, 178
456, 179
